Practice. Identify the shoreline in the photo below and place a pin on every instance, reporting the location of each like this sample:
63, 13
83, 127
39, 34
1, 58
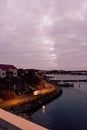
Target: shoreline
29, 104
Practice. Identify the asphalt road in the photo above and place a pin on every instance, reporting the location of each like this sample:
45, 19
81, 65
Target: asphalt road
25, 98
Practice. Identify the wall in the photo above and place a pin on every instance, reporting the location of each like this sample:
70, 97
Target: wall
2, 73
14, 73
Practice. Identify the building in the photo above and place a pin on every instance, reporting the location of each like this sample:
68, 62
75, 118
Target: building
7, 71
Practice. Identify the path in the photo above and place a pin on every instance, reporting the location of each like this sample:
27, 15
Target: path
49, 88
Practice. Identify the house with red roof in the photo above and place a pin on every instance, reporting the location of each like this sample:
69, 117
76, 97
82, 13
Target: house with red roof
7, 70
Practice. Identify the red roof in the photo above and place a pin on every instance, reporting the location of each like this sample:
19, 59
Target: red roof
4, 66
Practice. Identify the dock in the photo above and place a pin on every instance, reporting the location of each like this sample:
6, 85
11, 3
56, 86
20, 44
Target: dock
85, 80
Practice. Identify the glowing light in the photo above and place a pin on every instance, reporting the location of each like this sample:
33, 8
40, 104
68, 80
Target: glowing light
43, 109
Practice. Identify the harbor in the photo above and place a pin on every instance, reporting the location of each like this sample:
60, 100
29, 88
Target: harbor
68, 112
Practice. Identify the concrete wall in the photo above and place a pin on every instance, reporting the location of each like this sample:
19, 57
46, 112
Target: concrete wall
10, 121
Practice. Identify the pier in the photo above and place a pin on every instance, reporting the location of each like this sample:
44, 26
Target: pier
85, 80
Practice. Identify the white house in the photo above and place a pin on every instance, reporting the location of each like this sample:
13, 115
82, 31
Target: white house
7, 70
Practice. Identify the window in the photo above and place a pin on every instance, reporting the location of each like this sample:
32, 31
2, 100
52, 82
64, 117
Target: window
3, 73
15, 73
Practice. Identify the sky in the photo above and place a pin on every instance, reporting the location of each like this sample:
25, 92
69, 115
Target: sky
44, 34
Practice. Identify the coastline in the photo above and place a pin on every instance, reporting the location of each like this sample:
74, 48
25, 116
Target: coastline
31, 103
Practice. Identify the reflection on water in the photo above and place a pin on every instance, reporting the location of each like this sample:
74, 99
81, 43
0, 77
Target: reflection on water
68, 112
43, 109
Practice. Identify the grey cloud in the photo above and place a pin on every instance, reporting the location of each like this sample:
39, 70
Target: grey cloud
44, 34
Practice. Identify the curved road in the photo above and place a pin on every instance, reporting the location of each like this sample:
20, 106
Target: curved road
25, 98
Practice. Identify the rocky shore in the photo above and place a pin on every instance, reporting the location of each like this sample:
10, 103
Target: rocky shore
33, 105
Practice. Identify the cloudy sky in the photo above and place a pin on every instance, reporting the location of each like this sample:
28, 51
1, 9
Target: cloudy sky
44, 34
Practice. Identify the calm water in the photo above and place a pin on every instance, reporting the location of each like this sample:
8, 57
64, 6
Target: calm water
68, 77
68, 112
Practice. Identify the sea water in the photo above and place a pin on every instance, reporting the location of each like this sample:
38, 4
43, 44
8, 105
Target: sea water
67, 112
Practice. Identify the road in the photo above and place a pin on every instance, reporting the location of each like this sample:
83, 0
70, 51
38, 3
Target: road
25, 98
